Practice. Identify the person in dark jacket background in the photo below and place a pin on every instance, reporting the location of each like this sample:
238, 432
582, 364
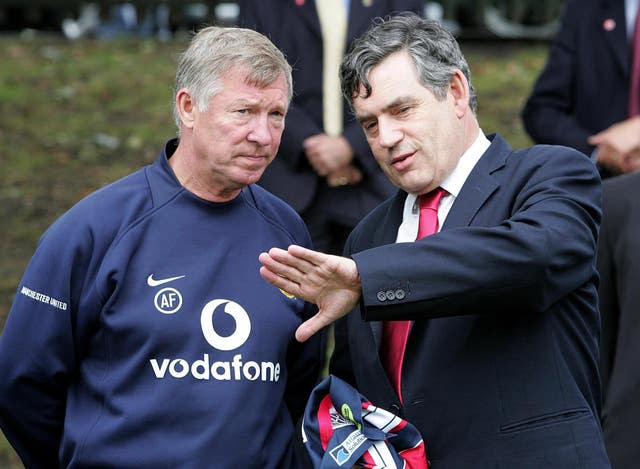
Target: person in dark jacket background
619, 267
587, 96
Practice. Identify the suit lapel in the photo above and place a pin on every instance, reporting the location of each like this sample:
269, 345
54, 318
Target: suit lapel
479, 185
616, 38
387, 231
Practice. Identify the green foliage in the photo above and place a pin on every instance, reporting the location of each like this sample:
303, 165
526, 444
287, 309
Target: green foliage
77, 115
8, 458
503, 76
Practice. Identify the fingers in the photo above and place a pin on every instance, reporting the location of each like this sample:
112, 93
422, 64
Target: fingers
632, 162
314, 258
282, 283
281, 264
290, 270
297, 257
347, 175
310, 327
356, 175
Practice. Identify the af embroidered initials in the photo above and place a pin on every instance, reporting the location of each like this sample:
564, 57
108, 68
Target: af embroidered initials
167, 300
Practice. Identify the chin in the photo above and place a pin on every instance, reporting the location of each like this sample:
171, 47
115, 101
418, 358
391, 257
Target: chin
252, 178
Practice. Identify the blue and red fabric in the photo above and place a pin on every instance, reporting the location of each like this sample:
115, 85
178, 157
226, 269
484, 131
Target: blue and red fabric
341, 428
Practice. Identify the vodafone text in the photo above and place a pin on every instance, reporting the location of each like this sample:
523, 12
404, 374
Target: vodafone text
234, 370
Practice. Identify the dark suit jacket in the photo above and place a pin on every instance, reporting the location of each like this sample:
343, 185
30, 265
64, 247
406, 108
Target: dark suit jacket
584, 87
295, 29
619, 266
501, 364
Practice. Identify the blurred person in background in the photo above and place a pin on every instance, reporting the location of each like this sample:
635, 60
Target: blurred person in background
141, 334
619, 267
588, 94
588, 97
324, 169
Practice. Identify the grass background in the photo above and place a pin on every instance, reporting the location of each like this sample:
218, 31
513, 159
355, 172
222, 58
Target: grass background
77, 115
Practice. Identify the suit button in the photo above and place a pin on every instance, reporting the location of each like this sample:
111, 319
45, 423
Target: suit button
381, 296
399, 294
390, 295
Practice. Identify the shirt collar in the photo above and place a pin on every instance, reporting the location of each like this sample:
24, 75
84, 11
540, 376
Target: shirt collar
454, 182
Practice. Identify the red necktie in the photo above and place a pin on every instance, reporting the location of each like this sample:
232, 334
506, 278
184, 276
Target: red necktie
396, 333
634, 90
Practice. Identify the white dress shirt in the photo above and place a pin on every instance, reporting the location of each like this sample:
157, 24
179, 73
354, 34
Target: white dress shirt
408, 229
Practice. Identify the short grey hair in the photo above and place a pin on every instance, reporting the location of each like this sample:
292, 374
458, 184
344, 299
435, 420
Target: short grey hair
214, 51
433, 49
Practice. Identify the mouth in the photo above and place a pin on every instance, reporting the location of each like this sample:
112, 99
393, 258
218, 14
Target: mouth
402, 161
255, 157
255, 160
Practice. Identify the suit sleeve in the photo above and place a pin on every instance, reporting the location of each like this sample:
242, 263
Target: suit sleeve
548, 115
40, 345
540, 253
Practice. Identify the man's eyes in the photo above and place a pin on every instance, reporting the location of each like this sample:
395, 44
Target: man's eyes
246, 111
402, 110
367, 125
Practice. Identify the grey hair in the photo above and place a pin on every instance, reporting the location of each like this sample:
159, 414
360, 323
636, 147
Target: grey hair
434, 51
214, 51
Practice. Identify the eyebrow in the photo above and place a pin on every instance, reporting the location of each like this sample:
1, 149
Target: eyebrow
252, 103
245, 102
401, 101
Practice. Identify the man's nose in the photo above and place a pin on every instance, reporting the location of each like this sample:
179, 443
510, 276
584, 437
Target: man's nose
260, 131
389, 134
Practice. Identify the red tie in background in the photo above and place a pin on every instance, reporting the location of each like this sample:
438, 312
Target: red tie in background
396, 333
634, 91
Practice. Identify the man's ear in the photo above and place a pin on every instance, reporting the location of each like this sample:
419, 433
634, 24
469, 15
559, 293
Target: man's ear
186, 107
459, 87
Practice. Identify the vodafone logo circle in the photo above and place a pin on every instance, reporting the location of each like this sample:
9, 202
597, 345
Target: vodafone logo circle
239, 315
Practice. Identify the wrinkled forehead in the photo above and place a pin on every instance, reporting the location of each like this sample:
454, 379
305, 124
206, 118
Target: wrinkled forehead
387, 81
258, 78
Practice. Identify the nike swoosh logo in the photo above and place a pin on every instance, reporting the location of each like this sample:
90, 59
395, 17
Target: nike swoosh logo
154, 283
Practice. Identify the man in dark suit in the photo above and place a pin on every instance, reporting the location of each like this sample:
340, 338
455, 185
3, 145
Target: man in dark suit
582, 97
500, 368
329, 176
619, 266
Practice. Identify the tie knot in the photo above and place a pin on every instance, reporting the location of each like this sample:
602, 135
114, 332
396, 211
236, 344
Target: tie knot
428, 221
431, 200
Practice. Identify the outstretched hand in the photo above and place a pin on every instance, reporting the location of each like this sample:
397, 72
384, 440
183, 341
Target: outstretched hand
331, 282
